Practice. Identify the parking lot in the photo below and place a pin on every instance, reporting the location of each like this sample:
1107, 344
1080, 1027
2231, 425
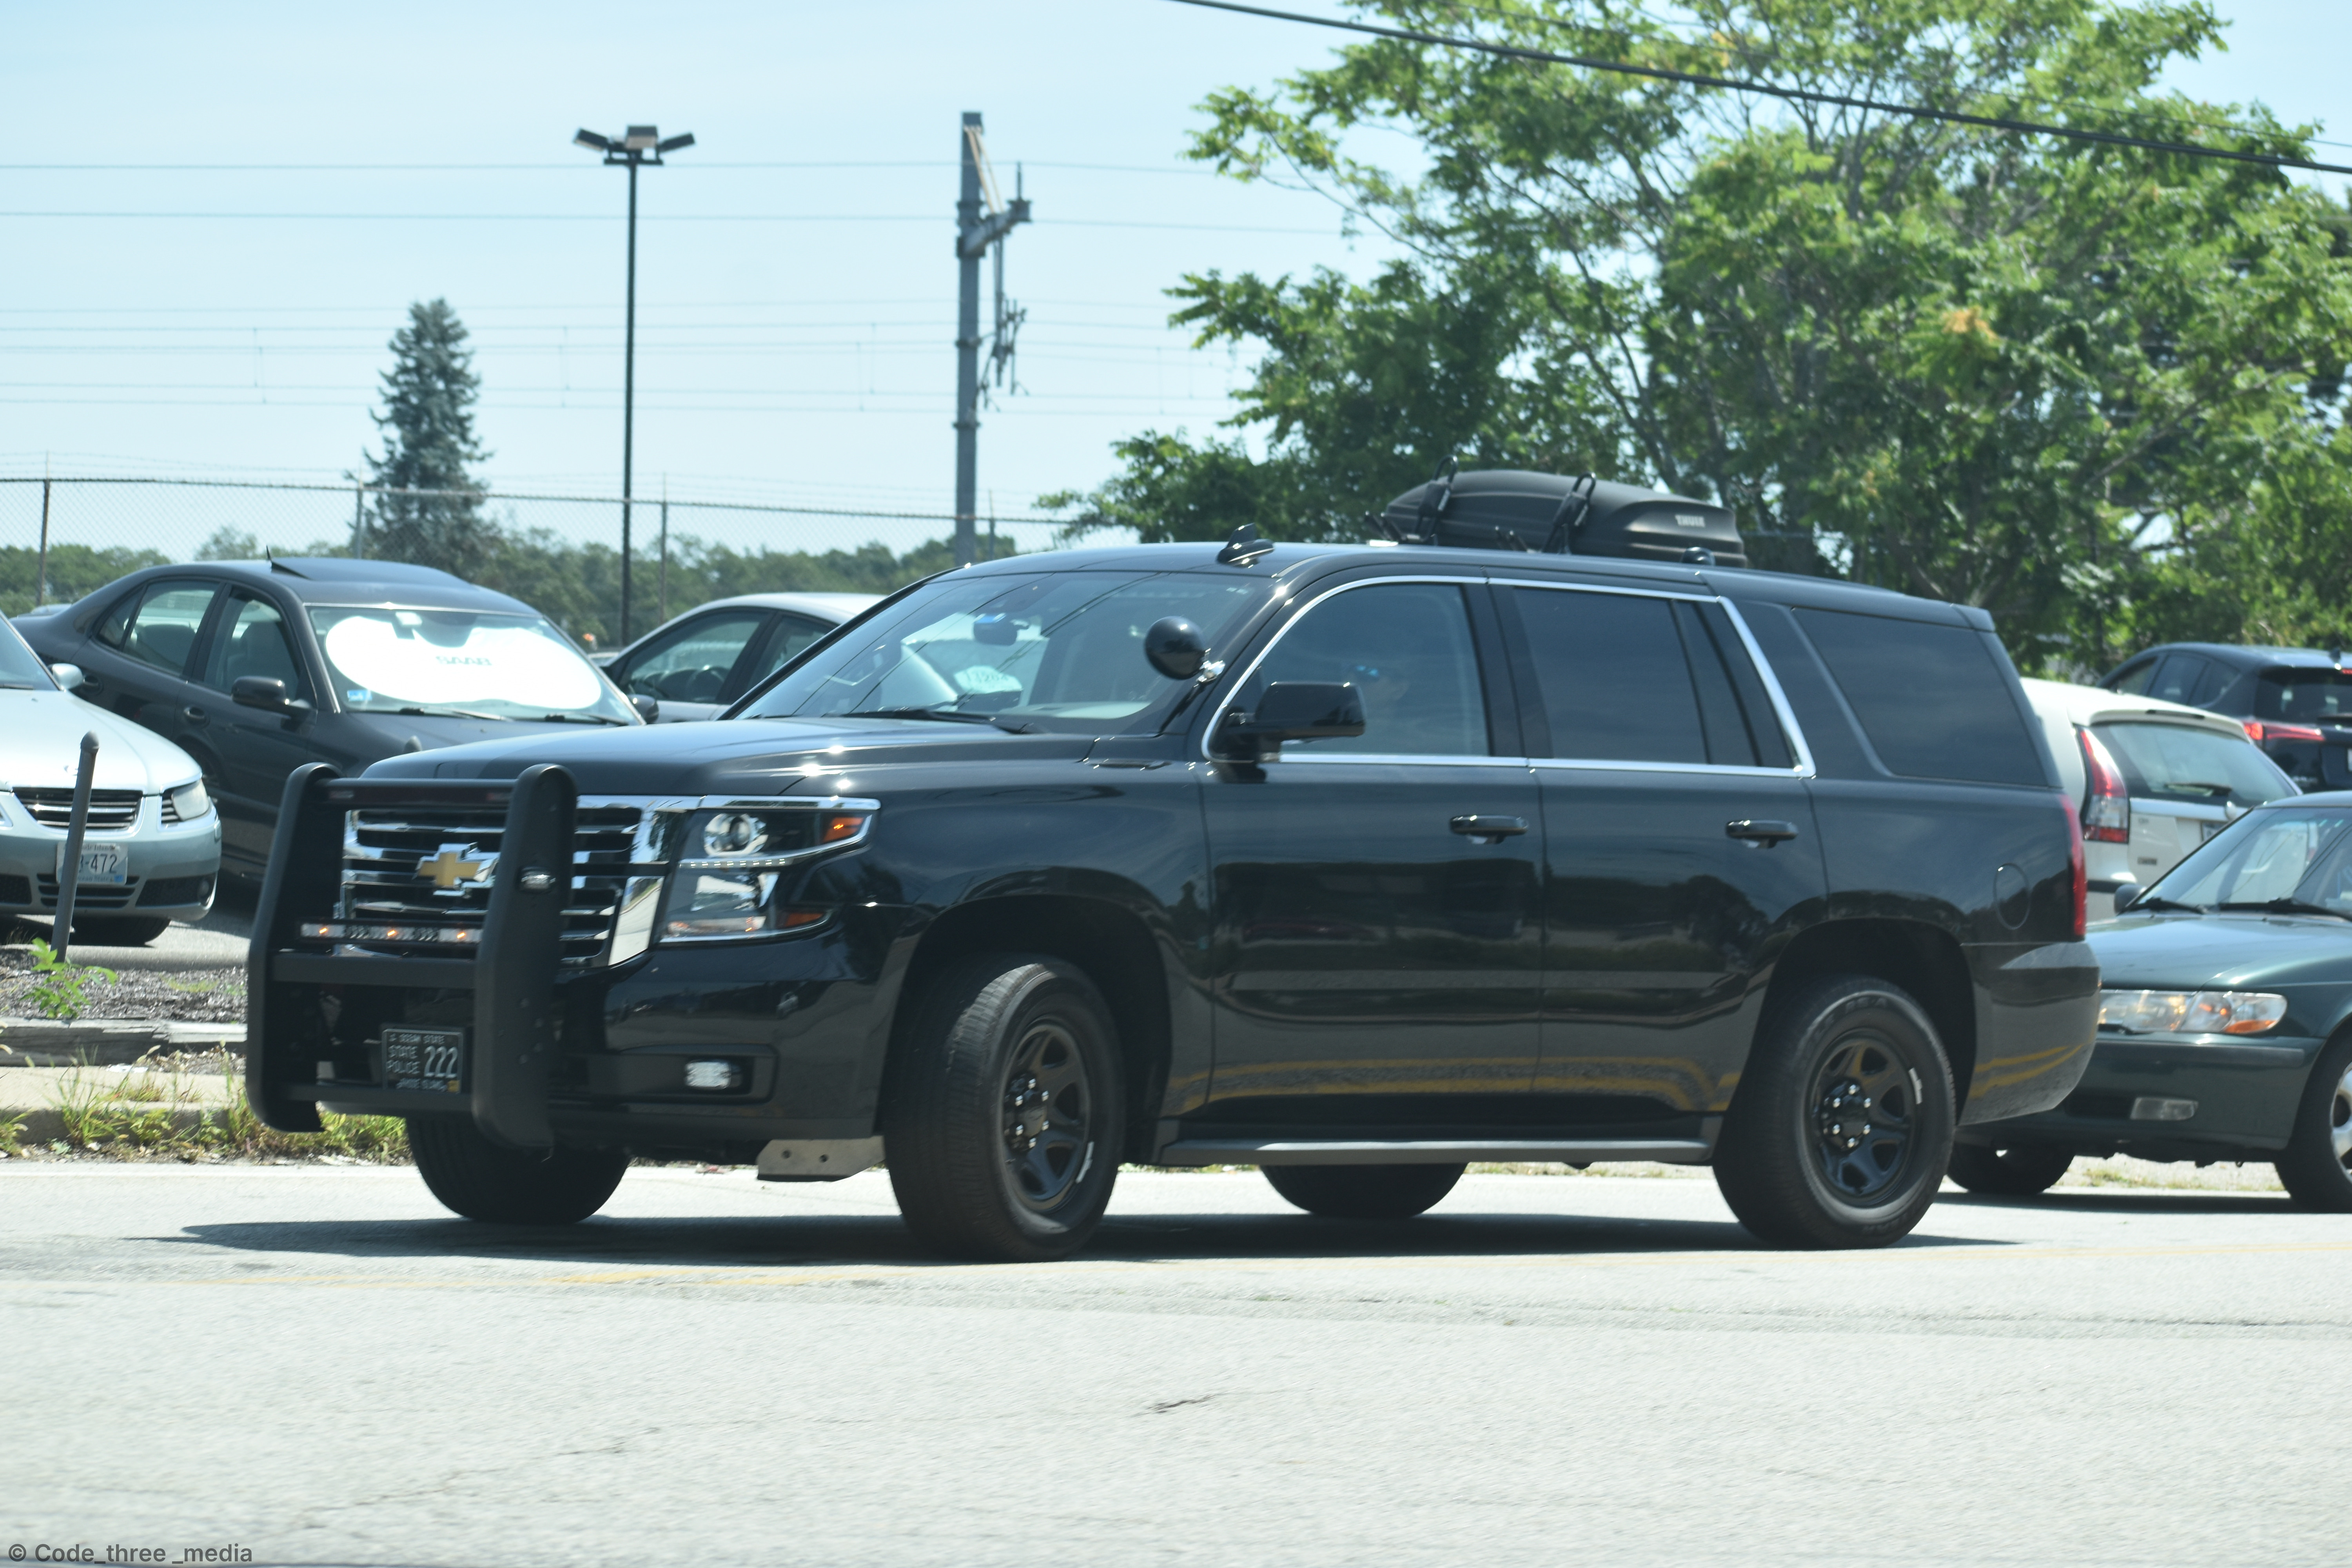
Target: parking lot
321, 1365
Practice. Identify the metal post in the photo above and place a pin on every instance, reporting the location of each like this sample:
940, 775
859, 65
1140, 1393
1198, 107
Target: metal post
661, 609
629, 399
967, 424
358, 522
69, 867
41, 571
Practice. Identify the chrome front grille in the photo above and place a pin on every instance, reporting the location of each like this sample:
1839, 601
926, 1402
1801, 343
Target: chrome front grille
416, 878
110, 810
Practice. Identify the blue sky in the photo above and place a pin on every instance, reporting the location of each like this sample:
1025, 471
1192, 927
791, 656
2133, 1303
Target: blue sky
803, 356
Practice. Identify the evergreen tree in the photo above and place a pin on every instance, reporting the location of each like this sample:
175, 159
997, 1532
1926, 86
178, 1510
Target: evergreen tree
428, 426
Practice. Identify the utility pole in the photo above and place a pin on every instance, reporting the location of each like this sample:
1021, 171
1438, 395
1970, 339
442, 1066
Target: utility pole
976, 233
640, 146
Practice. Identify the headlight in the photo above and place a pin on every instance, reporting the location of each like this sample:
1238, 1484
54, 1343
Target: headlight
725, 884
2190, 1012
189, 801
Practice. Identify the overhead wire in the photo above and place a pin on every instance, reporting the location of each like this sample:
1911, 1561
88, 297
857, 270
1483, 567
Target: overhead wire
1775, 90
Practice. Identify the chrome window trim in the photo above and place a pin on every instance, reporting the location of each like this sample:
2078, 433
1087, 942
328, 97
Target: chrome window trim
1789, 729
1217, 718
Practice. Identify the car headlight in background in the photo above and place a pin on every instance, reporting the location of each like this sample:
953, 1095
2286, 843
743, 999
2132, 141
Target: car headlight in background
186, 802
2190, 1012
725, 884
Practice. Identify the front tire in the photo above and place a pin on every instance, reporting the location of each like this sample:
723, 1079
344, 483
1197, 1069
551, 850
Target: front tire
1364, 1192
1003, 1117
1842, 1128
2008, 1170
481, 1179
2316, 1167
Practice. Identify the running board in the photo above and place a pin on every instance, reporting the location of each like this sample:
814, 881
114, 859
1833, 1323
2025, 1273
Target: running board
1321, 1151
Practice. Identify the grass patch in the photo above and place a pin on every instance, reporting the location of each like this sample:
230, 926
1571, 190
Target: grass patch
160, 1114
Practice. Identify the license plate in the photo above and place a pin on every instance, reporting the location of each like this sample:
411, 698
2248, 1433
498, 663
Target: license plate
429, 1060
101, 864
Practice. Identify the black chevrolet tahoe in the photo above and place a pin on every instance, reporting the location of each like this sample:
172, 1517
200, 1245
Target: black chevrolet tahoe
1355, 863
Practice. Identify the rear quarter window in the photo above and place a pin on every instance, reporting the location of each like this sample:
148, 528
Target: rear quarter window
1932, 699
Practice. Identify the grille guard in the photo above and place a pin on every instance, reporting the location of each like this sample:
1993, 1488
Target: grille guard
512, 976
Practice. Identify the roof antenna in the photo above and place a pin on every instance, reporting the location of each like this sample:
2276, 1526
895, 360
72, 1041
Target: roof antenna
1244, 547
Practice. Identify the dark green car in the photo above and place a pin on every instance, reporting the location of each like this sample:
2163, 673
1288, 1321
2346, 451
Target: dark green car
2225, 1026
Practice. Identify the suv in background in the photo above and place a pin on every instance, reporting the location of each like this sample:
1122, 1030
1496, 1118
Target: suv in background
2296, 702
2152, 780
1355, 863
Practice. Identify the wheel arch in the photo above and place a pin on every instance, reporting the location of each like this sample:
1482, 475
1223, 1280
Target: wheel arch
1924, 959
1107, 940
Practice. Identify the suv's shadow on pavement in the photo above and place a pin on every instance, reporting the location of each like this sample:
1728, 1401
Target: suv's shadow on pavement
2144, 1201
803, 1241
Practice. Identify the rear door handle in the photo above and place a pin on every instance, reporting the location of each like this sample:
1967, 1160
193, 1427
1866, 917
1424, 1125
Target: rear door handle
1756, 831
1489, 829
195, 715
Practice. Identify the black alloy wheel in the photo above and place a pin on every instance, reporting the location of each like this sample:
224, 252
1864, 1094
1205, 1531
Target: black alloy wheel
1363, 1192
1001, 1115
1840, 1130
2316, 1167
487, 1182
2008, 1170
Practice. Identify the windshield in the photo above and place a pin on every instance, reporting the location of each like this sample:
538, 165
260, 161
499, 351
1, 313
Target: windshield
1050, 650
460, 662
2179, 763
2305, 696
20, 668
2297, 854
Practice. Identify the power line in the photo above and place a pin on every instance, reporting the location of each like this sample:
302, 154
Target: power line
650, 217
481, 168
1793, 94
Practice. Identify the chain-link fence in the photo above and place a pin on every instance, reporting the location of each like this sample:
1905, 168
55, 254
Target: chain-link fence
61, 538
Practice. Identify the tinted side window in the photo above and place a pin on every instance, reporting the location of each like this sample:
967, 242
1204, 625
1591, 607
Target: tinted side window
252, 640
1931, 698
2179, 677
2213, 680
2134, 679
162, 630
1406, 646
1616, 682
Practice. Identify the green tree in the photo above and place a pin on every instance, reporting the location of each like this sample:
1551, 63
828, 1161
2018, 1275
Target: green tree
2063, 381
428, 426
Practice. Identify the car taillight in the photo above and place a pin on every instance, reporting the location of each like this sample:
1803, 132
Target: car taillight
2082, 873
2106, 806
2258, 732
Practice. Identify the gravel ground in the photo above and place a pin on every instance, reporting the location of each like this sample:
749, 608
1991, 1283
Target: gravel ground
198, 995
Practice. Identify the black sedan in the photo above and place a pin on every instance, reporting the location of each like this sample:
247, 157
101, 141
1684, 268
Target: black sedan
2225, 1026
254, 668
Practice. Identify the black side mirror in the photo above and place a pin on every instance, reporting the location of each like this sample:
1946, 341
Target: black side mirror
266, 691
648, 708
2127, 895
1175, 648
1291, 710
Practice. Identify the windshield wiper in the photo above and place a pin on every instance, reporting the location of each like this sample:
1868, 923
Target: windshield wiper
2165, 904
947, 715
452, 714
576, 719
2196, 785
2288, 907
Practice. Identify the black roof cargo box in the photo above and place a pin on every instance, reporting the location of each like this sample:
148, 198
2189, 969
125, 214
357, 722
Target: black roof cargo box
1513, 508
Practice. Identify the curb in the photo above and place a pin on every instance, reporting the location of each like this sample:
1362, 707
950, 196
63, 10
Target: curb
46, 1124
107, 1042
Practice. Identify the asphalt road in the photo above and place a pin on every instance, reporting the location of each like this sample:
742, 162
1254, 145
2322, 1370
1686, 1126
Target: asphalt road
315, 1364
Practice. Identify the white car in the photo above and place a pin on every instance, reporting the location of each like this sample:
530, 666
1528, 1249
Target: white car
696, 664
2152, 779
150, 853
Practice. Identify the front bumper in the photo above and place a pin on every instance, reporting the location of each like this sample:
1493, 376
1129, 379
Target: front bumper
170, 870
2244, 1092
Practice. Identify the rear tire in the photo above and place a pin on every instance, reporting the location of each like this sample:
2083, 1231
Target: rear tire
480, 1180
1004, 1112
118, 931
2008, 1170
1363, 1192
2316, 1167
1842, 1128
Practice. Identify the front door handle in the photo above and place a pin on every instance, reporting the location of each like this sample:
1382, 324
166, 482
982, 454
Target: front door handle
195, 715
1758, 832
1489, 829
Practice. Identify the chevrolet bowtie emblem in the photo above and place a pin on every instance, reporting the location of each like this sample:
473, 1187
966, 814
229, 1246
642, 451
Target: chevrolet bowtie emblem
456, 864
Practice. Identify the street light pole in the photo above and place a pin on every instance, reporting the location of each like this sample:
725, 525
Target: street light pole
641, 145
